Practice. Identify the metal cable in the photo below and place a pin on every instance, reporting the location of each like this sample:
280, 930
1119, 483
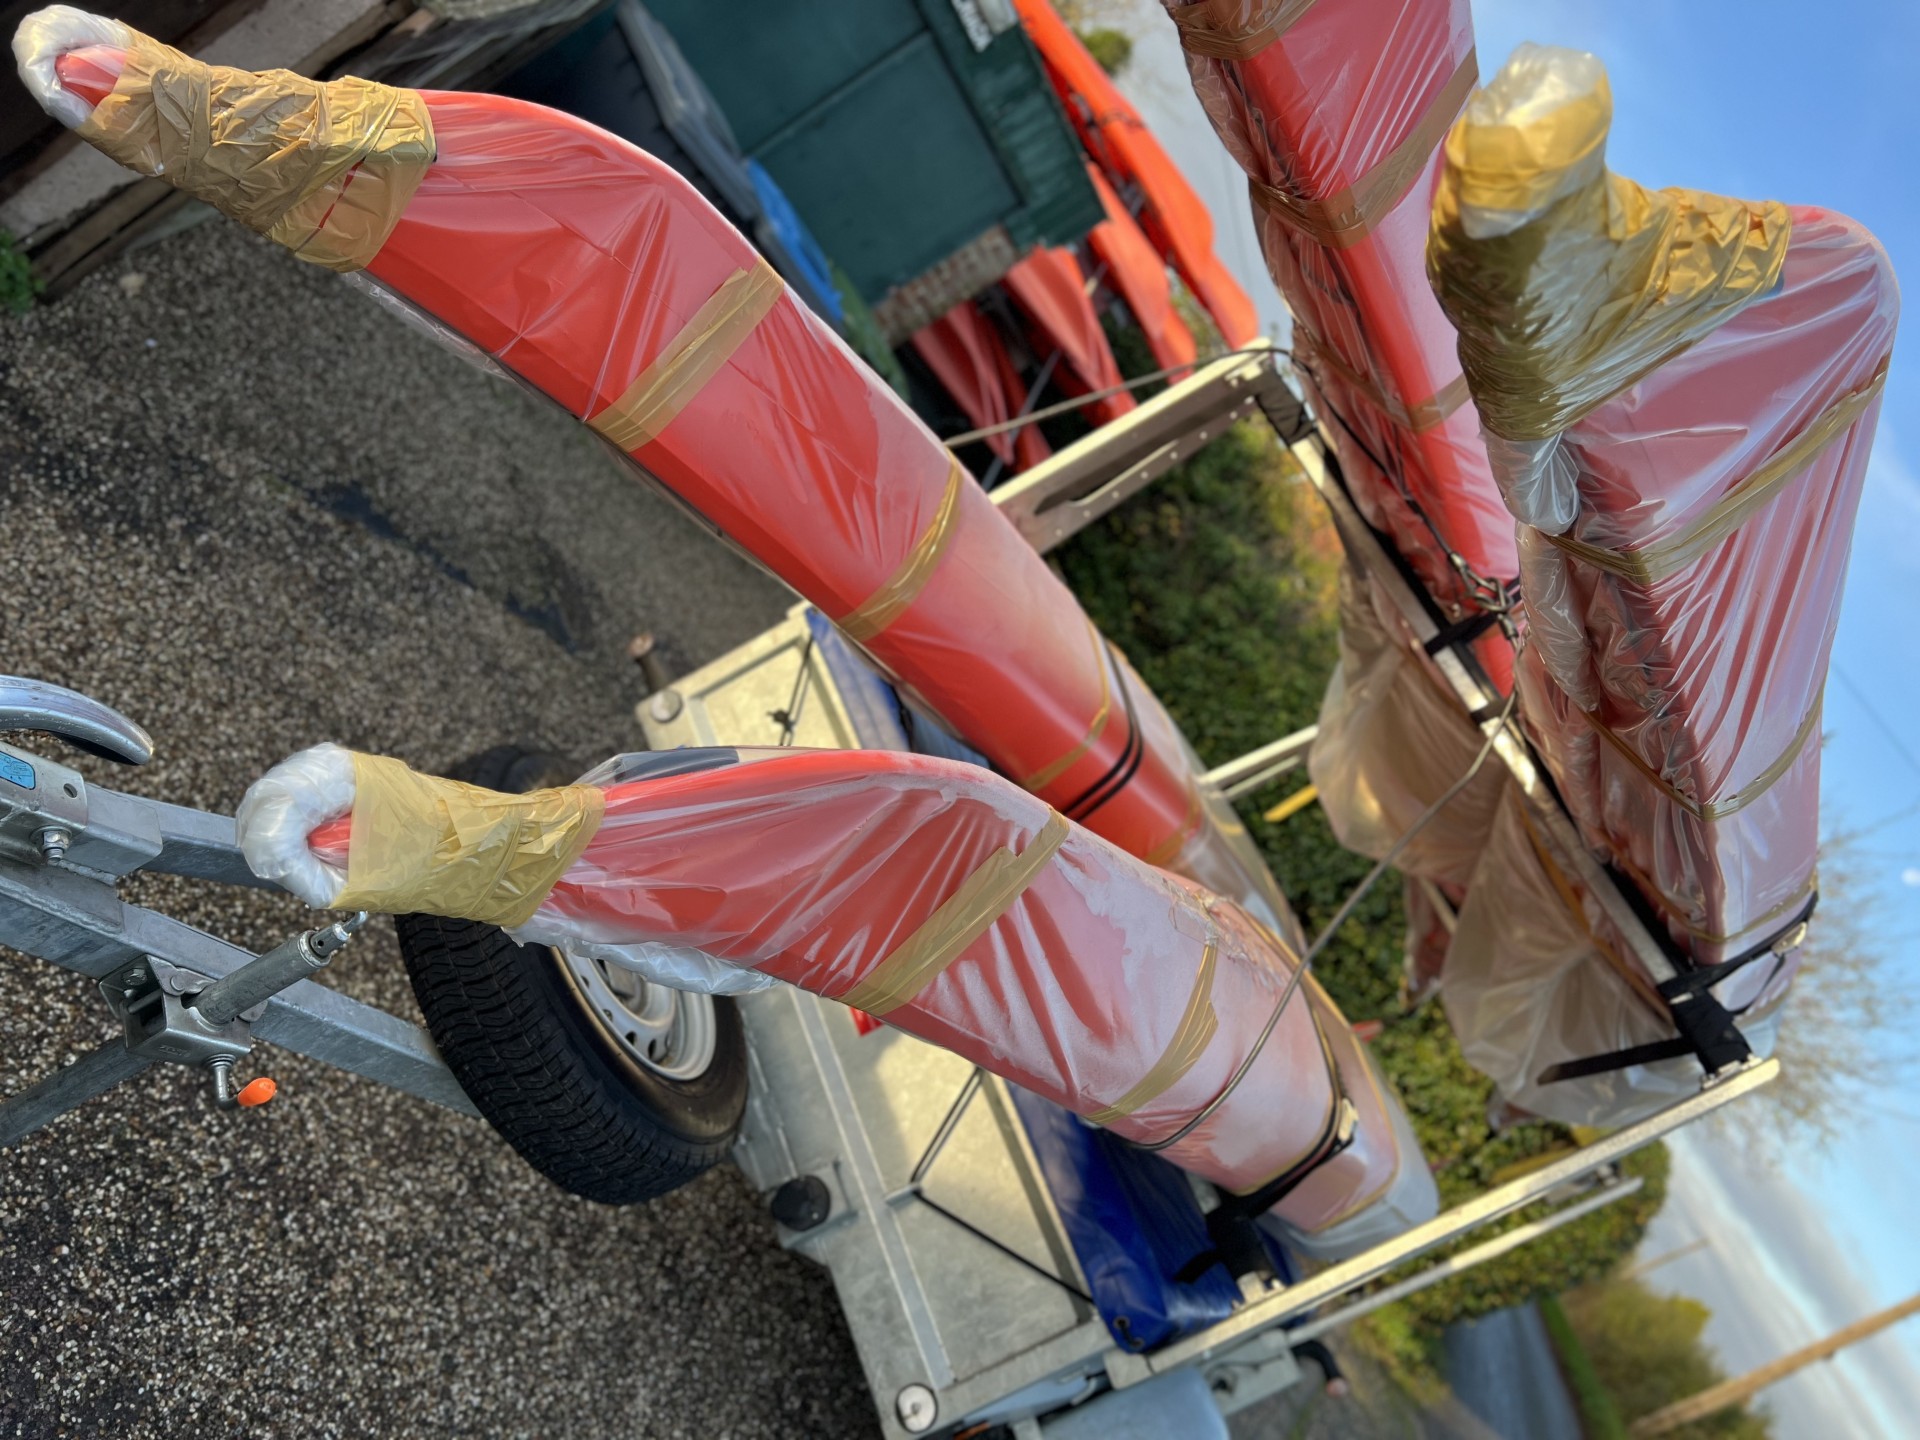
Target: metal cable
954, 442
1340, 918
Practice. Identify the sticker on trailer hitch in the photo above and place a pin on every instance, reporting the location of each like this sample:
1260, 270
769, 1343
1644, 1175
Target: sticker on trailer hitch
16, 771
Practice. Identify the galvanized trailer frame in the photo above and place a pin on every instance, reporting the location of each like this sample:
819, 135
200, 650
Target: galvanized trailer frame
951, 1261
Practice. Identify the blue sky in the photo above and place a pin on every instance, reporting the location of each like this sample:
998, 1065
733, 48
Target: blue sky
1810, 104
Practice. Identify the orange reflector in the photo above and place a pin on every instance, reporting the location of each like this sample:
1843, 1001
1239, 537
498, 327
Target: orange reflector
257, 1092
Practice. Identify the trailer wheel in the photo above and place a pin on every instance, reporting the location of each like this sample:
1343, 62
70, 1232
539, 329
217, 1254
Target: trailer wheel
614, 1089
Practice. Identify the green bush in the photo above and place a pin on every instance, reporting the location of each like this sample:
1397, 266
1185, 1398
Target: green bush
18, 283
1111, 49
1218, 583
1647, 1351
1599, 1416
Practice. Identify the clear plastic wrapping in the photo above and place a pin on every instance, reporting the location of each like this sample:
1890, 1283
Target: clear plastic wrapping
1534, 978
1391, 742
967, 912
602, 279
1715, 369
1565, 281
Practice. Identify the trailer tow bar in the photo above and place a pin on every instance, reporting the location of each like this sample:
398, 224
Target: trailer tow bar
171, 1014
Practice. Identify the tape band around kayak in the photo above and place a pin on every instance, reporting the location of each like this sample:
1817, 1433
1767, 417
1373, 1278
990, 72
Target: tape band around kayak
422, 843
323, 167
692, 358
1652, 563
1047, 774
1710, 810
1364, 1199
1198, 1025
963, 917
1234, 29
1672, 911
883, 607
1325, 1144
1346, 217
1429, 413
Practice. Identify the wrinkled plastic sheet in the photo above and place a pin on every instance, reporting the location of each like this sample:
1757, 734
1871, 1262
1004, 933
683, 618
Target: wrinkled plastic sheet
600, 278
1535, 977
1392, 740
1707, 681
1686, 543
965, 911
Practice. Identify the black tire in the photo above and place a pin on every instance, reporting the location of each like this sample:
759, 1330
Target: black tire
534, 1058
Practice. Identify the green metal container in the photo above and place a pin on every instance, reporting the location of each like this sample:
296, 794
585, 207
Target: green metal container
902, 130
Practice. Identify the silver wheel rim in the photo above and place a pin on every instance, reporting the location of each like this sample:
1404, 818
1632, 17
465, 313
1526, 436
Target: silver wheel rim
669, 1032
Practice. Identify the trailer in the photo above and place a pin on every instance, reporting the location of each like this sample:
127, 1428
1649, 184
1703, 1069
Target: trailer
998, 1262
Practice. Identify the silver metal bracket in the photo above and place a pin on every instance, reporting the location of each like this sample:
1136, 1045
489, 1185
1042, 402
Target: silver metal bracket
152, 1000
43, 807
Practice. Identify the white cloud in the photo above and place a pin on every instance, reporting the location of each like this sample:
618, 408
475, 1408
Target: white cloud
1910, 875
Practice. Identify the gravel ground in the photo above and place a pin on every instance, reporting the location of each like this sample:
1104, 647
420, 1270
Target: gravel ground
253, 511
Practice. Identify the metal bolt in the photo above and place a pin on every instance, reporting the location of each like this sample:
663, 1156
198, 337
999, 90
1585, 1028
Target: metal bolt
54, 841
665, 705
136, 977
224, 1095
644, 653
916, 1408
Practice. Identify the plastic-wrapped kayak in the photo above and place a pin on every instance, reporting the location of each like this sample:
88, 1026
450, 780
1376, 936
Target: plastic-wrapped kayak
1172, 215
1679, 392
943, 898
1134, 270
1050, 289
970, 360
1336, 111
603, 280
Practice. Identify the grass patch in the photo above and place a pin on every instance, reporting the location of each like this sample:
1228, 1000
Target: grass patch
1599, 1416
18, 284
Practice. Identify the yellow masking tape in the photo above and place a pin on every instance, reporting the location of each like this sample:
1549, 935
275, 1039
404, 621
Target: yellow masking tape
692, 358
1047, 774
1189, 1042
1424, 415
322, 167
1234, 29
1604, 281
963, 917
883, 607
1656, 562
1709, 810
421, 843
1344, 218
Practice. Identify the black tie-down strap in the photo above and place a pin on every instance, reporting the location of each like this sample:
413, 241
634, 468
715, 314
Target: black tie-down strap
1230, 1224
1708, 1030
